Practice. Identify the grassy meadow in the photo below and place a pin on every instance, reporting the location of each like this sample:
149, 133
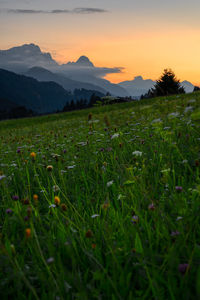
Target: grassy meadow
102, 203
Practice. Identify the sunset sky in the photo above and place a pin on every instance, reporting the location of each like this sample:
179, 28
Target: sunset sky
141, 36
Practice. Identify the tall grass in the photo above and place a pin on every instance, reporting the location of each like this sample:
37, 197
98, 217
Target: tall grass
125, 221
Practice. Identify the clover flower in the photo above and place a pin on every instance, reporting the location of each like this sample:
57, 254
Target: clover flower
151, 206
183, 268
175, 233
135, 219
9, 211
178, 188
15, 197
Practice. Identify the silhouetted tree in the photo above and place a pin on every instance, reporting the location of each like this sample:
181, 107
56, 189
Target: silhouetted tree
168, 84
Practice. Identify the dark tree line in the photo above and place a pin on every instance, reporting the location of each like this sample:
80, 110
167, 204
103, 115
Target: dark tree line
94, 100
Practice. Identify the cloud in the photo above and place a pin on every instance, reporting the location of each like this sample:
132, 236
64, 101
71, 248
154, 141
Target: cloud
78, 10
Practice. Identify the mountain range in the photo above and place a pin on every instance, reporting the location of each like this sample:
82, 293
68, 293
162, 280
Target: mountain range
139, 86
29, 60
40, 97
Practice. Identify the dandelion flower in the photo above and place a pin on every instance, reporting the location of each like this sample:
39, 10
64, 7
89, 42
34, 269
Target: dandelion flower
35, 197
49, 168
28, 233
33, 155
57, 200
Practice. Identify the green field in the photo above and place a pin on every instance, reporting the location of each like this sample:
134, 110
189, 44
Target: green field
102, 203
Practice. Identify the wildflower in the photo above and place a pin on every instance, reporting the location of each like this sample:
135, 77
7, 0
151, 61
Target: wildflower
50, 260
94, 246
151, 206
135, 219
106, 205
52, 206
56, 188
185, 161
15, 197
26, 218
179, 188
94, 216
33, 155
49, 168
9, 211
25, 201
57, 200
90, 117
89, 234
28, 233
29, 211
137, 153
197, 163
183, 268
188, 109
64, 207
12, 247
109, 149
18, 150
35, 197
71, 167
106, 120
115, 135
109, 183
175, 233
2, 177
179, 218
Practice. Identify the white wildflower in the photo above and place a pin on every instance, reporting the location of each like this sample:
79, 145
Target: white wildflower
94, 216
116, 135
137, 153
109, 183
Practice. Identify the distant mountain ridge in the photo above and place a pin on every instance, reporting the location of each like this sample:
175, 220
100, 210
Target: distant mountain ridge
79, 74
139, 86
40, 97
42, 74
83, 61
20, 59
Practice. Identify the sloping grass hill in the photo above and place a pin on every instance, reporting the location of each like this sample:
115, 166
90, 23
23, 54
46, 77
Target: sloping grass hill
102, 203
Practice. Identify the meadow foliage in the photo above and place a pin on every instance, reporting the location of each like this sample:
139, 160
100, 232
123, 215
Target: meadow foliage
102, 203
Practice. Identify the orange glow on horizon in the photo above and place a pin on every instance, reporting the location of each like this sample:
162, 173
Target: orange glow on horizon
146, 54
138, 51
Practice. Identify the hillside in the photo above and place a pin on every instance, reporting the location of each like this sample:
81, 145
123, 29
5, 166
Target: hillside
40, 97
42, 74
102, 203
